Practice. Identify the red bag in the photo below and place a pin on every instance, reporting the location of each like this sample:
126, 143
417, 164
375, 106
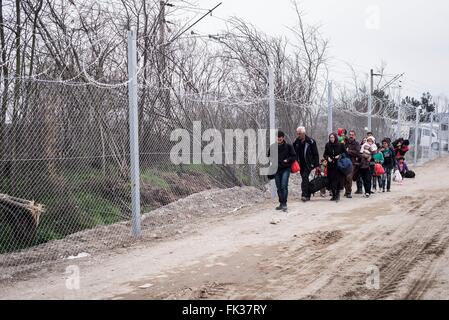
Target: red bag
378, 170
295, 167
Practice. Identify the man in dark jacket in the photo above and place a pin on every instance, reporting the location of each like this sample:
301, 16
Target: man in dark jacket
353, 150
285, 157
308, 158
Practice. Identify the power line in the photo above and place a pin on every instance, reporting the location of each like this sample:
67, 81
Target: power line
192, 25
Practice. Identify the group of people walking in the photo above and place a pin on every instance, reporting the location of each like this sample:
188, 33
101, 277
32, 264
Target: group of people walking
345, 160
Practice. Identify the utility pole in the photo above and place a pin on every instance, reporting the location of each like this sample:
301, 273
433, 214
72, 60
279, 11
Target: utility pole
330, 104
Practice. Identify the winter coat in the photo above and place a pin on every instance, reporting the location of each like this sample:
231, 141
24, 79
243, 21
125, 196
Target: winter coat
307, 153
285, 152
402, 169
341, 136
333, 151
366, 152
401, 151
378, 157
353, 150
389, 158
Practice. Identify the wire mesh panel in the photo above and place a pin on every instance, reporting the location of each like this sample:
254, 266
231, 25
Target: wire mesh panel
65, 159
215, 153
64, 164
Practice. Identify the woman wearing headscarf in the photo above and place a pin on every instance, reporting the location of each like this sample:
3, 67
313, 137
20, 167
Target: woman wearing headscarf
332, 152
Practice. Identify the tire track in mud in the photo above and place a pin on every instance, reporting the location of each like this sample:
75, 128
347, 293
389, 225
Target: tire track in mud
396, 268
425, 245
270, 270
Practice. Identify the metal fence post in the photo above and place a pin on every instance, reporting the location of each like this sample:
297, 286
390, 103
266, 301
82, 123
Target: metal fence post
330, 106
134, 132
272, 114
431, 136
398, 125
440, 140
415, 156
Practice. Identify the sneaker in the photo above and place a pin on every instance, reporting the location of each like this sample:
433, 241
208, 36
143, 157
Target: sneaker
358, 192
349, 196
305, 199
388, 190
284, 207
383, 190
280, 207
367, 195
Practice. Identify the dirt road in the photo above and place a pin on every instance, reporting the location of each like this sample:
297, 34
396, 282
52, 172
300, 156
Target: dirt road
318, 250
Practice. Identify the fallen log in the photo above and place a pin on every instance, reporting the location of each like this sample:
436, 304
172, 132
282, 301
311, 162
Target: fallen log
22, 216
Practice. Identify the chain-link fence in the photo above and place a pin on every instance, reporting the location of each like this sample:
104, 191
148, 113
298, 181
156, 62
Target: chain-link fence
65, 158
65, 163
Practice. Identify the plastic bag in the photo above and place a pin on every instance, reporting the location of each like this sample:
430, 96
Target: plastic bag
397, 177
295, 167
378, 170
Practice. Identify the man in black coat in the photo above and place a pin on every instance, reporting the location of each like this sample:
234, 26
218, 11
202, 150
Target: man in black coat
285, 157
308, 158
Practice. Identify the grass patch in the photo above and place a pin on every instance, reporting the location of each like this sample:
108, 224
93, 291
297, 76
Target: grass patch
150, 177
200, 168
96, 210
5, 236
243, 177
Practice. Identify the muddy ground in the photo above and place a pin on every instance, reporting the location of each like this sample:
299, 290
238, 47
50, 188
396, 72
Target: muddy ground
317, 250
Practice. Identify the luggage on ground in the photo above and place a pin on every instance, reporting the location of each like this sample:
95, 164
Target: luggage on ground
409, 174
317, 184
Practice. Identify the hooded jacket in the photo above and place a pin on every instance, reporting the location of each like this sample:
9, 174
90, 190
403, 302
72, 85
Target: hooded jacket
341, 136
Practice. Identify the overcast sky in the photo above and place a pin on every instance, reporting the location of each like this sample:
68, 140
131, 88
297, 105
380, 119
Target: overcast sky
411, 36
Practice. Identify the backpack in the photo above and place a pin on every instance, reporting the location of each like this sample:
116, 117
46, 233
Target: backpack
344, 164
